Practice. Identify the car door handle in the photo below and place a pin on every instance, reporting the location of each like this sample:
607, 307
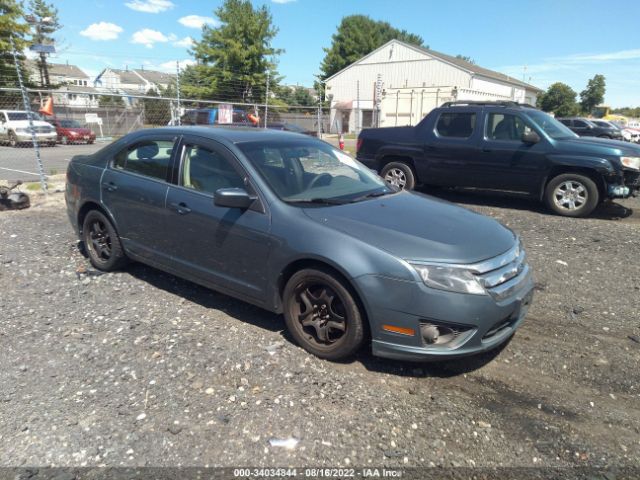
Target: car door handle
112, 187
181, 208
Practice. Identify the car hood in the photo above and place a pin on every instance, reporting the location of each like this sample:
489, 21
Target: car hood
25, 123
413, 226
602, 146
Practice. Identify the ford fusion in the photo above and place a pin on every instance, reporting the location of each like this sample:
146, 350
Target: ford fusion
297, 227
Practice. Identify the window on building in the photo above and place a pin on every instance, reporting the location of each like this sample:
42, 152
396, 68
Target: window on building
456, 125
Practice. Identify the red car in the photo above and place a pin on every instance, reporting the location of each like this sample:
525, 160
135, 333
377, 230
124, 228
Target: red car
70, 131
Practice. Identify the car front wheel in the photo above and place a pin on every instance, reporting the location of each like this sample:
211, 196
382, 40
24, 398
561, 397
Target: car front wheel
399, 175
572, 195
102, 242
322, 315
13, 140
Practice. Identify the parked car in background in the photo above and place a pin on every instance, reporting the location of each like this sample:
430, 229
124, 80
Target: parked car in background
628, 134
585, 127
70, 131
295, 226
504, 146
291, 127
211, 116
15, 129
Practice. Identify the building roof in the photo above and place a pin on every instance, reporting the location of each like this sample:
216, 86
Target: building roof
128, 76
77, 89
457, 62
156, 77
60, 69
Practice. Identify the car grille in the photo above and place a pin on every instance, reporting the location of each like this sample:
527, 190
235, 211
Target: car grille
504, 274
631, 179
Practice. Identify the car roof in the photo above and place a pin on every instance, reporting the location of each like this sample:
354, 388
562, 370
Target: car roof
230, 134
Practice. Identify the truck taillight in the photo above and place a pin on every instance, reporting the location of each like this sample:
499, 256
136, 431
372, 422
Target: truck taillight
358, 145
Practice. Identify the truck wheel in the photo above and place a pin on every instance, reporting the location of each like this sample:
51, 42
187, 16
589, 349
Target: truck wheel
399, 175
572, 195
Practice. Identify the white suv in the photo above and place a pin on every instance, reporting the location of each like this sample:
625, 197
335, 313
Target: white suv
14, 128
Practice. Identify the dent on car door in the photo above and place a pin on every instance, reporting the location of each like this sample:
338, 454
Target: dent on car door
134, 188
227, 247
505, 161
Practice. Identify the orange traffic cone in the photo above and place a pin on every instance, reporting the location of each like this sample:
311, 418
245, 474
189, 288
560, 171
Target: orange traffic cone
48, 107
341, 141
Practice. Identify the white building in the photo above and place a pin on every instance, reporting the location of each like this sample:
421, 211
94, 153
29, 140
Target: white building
74, 88
134, 82
398, 84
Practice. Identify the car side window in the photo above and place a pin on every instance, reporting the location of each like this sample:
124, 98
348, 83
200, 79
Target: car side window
505, 127
566, 122
579, 124
205, 170
149, 158
456, 125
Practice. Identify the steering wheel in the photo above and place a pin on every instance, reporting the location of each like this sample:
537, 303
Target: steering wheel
317, 180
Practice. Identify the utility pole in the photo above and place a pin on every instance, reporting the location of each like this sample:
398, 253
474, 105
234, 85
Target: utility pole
178, 90
357, 107
266, 101
27, 107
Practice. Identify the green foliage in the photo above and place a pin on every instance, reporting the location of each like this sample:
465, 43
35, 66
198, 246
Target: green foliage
593, 95
111, 101
234, 58
156, 112
358, 35
560, 99
11, 14
47, 24
628, 111
295, 96
466, 58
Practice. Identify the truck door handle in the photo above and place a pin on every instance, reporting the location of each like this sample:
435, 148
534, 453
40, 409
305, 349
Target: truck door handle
111, 187
181, 208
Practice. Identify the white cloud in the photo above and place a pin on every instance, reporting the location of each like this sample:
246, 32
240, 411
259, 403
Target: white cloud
148, 37
185, 42
283, 1
197, 21
150, 6
170, 67
102, 31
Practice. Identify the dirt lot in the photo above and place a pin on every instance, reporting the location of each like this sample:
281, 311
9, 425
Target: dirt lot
141, 368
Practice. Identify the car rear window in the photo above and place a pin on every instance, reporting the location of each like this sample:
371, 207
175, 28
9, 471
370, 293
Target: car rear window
456, 125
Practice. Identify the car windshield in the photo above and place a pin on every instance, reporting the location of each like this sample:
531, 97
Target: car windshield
313, 172
22, 116
70, 124
550, 125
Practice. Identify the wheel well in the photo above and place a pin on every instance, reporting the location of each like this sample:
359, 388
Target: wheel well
301, 264
395, 158
86, 208
592, 174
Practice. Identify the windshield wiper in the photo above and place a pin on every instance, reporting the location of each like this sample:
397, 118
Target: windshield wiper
321, 201
371, 195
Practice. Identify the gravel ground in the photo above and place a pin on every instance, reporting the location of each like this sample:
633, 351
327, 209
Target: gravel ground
141, 368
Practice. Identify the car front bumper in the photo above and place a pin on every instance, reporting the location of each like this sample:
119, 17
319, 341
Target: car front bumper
484, 322
41, 137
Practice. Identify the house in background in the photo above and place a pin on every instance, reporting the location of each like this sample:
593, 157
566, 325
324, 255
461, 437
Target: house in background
134, 82
73, 85
398, 84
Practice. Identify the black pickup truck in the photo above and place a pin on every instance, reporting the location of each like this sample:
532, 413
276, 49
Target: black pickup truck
504, 146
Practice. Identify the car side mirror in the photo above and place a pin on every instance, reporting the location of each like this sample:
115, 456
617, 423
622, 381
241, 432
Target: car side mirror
530, 137
233, 198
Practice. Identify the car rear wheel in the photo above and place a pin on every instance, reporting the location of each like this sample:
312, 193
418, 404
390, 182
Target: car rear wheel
572, 195
102, 242
399, 175
13, 140
322, 315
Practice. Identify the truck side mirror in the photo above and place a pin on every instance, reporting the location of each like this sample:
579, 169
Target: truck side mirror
530, 137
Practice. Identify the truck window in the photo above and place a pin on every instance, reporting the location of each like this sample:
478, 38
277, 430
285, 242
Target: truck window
456, 125
580, 124
505, 127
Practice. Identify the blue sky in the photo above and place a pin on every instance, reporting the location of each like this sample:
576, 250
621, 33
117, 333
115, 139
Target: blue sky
561, 40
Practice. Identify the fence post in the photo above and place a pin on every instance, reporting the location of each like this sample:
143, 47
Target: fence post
319, 118
178, 90
27, 107
357, 107
266, 102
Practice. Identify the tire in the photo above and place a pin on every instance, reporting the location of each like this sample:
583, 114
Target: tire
399, 175
572, 195
64, 140
308, 295
102, 242
13, 140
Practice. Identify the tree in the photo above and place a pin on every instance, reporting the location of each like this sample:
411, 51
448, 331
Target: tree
593, 95
560, 99
11, 14
234, 58
111, 101
466, 58
156, 112
295, 96
358, 35
45, 20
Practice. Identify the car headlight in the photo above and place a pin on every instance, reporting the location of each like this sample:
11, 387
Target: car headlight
452, 279
631, 162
